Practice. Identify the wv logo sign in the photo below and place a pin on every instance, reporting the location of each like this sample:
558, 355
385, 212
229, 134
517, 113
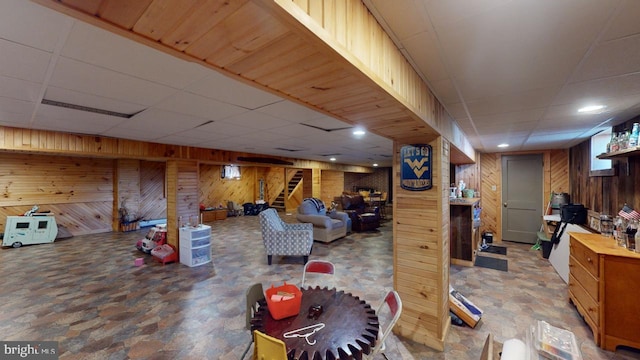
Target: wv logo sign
415, 174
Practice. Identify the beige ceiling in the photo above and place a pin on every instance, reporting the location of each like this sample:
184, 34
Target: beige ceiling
507, 71
516, 71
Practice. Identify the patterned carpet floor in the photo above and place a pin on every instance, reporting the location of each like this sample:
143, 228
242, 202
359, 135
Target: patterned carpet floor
86, 293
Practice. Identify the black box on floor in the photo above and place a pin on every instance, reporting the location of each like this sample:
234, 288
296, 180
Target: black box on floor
546, 248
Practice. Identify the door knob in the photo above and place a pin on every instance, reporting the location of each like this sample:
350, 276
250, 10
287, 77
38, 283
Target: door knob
505, 204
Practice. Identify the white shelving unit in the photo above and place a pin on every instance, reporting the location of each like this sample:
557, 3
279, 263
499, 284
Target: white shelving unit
195, 245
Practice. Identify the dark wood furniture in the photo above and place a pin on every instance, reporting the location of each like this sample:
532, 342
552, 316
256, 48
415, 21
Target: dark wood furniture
363, 217
604, 282
463, 232
350, 326
213, 215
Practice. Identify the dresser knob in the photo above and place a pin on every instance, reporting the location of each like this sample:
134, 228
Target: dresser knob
589, 260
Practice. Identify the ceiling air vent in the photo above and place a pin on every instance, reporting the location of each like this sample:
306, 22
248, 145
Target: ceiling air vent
325, 129
89, 109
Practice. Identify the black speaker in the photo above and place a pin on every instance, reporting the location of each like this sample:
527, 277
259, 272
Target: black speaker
573, 214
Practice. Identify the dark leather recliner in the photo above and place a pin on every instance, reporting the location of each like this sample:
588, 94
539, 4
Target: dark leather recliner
363, 217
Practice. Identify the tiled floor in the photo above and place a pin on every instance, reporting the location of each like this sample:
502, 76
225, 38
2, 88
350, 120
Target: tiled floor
86, 293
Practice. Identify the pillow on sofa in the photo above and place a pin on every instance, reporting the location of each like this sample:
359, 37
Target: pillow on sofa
312, 206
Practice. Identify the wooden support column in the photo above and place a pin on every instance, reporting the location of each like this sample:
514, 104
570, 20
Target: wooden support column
316, 190
312, 180
182, 196
421, 251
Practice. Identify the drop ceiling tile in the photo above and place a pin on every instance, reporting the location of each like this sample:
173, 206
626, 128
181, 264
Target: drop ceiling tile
27, 23
224, 128
201, 135
133, 134
295, 130
253, 120
557, 138
98, 47
196, 105
423, 49
625, 22
490, 142
506, 119
222, 88
514, 101
519, 128
15, 112
331, 126
81, 77
457, 110
17, 89
295, 113
166, 122
261, 136
22, 62
179, 139
16, 106
403, 16
445, 91
506, 49
615, 57
453, 13
63, 119
599, 90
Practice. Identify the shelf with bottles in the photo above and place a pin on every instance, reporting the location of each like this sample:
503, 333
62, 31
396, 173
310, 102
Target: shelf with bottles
628, 152
624, 144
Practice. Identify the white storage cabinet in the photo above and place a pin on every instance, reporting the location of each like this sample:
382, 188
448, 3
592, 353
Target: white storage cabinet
195, 245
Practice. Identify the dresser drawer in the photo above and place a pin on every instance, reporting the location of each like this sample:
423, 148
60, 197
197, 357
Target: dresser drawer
584, 302
585, 256
584, 277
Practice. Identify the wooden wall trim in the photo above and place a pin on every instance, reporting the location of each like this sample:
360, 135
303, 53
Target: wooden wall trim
60, 143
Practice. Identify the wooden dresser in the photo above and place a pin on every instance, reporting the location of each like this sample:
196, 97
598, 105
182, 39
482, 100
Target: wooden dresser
604, 283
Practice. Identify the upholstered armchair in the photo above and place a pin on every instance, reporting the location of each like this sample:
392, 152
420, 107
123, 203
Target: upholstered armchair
327, 225
363, 217
285, 239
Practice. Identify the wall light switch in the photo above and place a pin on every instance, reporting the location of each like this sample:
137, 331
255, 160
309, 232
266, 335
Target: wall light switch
493, 188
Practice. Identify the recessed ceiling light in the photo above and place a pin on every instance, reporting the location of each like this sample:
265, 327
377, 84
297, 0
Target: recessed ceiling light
332, 158
503, 145
591, 108
374, 165
358, 132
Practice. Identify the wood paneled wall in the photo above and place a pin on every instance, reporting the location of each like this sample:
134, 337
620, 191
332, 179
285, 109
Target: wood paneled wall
127, 187
421, 252
79, 191
153, 199
604, 194
378, 179
57, 143
182, 181
556, 179
332, 185
274, 182
215, 191
470, 174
